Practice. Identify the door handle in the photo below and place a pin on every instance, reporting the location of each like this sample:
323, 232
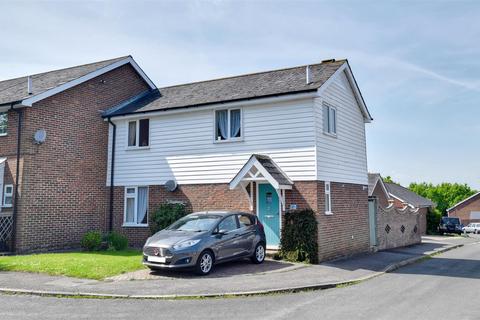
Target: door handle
268, 216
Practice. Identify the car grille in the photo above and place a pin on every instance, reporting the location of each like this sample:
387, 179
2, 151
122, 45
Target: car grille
156, 251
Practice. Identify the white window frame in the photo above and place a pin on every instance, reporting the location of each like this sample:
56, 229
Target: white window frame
229, 139
137, 134
3, 134
329, 130
135, 207
328, 192
5, 195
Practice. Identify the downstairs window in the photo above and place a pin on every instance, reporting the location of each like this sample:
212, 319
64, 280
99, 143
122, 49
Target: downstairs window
136, 206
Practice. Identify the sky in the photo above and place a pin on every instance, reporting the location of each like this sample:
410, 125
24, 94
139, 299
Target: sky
416, 62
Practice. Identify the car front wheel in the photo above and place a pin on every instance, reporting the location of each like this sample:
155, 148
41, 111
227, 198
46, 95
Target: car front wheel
204, 263
259, 254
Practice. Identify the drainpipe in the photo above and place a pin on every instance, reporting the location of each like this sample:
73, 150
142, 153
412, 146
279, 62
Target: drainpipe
112, 166
17, 175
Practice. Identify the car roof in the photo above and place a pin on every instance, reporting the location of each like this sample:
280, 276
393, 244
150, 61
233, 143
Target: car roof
220, 213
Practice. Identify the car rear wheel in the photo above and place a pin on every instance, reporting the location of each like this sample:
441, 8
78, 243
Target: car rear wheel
204, 263
259, 254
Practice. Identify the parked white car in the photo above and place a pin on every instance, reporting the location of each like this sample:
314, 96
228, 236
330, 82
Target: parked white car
472, 227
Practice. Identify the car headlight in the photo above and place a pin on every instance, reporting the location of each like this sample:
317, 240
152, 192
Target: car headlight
185, 244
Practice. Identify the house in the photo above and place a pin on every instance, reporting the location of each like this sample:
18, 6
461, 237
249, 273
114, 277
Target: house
264, 142
53, 152
467, 210
400, 197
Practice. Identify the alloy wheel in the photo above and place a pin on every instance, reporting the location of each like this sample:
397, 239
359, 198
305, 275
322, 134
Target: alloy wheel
260, 253
206, 263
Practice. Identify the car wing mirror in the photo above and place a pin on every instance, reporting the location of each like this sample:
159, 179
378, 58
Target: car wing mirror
221, 232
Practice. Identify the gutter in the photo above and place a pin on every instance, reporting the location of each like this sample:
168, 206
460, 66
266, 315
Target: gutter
17, 175
112, 166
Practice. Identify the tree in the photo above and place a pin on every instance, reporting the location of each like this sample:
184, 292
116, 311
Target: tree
445, 195
389, 179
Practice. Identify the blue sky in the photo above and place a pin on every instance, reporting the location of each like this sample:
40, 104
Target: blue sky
417, 63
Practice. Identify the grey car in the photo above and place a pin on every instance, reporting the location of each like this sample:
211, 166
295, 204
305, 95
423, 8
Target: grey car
202, 239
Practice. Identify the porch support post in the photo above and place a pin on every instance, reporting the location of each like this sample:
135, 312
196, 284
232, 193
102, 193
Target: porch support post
249, 195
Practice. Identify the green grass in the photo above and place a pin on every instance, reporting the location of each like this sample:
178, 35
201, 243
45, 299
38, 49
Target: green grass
90, 265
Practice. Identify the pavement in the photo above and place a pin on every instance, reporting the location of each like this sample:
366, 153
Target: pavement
232, 279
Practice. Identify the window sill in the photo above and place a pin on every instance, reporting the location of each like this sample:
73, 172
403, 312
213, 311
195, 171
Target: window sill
228, 141
137, 148
3, 134
328, 213
133, 225
333, 135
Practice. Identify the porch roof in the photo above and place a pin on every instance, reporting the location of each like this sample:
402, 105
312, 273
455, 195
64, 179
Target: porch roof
262, 168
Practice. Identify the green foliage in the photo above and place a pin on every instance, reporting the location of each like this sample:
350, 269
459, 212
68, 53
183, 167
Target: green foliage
444, 195
116, 241
165, 215
433, 220
91, 241
389, 180
299, 237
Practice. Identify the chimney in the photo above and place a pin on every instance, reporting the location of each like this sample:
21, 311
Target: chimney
308, 75
29, 85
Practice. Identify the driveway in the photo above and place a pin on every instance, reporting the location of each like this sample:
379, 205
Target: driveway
418, 291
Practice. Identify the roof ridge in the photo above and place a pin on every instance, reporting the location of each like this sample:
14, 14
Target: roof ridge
253, 73
61, 69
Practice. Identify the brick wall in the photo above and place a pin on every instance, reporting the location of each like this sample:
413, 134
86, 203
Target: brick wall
389, 227
349, 204
62, 192
463, 210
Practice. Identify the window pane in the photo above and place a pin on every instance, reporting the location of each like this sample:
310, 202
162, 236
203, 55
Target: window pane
235, 123
130, 190
9, 189
332, 120
144, 131
3, 122
142, 205
8, 200
228, 224
221, 122
132, 133
130, 210
327, 202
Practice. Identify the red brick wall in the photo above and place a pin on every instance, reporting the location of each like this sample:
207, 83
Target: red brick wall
349, 204
62, 193
463, 210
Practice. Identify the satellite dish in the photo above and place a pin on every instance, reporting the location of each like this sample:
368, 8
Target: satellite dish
40, 136
171, 185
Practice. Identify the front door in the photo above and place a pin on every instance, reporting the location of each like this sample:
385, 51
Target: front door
268, 207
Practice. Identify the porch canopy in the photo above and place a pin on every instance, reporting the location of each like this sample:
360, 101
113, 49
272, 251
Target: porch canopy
261, 168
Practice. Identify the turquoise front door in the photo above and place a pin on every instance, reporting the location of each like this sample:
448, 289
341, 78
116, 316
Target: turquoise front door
269, 213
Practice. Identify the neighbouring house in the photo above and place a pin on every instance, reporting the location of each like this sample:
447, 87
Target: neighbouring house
467, 210
53, 152
265, 142
398, 215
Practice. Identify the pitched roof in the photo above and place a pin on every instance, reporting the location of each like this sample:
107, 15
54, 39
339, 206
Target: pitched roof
273, 169
237, 88
408, 196
14, 90
373, 178
472, 197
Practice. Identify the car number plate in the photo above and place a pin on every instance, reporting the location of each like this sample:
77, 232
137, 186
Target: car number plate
157, 259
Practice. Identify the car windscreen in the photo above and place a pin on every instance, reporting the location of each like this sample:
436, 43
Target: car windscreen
450, 220
196, 223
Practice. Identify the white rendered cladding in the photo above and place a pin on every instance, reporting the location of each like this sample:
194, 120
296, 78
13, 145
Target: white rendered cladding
341, 157
182, 145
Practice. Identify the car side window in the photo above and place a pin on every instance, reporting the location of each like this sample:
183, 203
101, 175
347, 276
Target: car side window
244, 221
228, 224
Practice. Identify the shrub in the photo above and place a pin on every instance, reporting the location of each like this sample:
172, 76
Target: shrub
91, 241
116, 241
165, 215
433, 220
299, 237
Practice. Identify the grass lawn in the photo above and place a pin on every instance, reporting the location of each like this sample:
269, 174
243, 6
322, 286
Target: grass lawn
90, 265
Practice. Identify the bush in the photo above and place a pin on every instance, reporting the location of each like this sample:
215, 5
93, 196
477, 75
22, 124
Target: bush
91, 241
433, 220
165, 215
116, 241
299, 237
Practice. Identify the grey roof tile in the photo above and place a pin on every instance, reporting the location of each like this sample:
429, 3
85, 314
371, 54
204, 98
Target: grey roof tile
407, 195
14, 90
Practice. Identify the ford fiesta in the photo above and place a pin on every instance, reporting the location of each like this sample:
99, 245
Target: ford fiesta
202, 239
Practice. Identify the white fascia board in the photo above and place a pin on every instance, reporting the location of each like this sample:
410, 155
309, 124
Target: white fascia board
30, 101
353, 84
220, 105
456, 205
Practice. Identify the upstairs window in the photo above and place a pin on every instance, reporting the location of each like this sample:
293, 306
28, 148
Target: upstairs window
138, 133
3, 123
228, 125
8, 196
329, 119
